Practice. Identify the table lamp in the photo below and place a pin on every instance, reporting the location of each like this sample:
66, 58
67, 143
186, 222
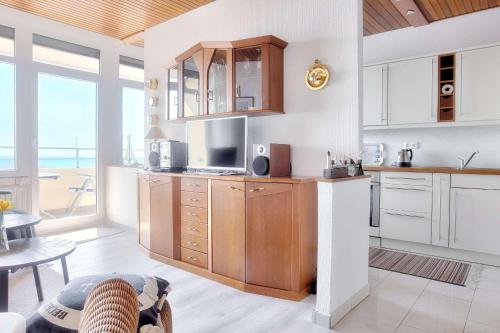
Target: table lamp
155, 133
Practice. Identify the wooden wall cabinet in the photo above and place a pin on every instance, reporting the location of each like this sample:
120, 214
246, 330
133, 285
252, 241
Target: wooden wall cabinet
243, 77
158, 228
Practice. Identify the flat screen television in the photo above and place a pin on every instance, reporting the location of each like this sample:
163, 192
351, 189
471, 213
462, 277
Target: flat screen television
217, 144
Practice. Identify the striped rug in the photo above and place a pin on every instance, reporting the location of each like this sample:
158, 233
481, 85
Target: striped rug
448, 271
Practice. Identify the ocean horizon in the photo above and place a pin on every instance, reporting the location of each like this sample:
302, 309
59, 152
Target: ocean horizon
54, 163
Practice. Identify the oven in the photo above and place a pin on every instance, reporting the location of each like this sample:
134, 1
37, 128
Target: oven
374, 203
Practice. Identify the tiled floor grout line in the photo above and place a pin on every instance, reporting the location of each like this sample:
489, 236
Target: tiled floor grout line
470, 308
411, 307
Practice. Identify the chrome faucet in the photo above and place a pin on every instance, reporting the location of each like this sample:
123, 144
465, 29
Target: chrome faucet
464, 163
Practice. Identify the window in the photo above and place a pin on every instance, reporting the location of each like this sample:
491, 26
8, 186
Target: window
7, 117
131, 69
6, 41
67, 113
60, 53
133, 125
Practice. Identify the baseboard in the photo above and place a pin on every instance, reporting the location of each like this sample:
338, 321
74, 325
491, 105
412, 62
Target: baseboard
329, 321
442, 252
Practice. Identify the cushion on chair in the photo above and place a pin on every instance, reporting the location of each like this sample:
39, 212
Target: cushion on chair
63, 313
12, 323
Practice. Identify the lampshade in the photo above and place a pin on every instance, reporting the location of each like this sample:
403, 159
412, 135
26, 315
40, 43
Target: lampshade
155, 133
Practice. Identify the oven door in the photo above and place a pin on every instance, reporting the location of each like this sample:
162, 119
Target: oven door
375, 205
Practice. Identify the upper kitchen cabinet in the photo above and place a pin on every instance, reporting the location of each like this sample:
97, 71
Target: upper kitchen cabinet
375, 95
172, 93
412, 93
479, 84
192, 85
243, 77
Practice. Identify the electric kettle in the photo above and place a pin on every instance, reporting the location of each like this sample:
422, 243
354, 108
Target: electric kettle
404, 158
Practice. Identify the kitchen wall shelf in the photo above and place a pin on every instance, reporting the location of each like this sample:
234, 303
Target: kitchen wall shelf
446, 102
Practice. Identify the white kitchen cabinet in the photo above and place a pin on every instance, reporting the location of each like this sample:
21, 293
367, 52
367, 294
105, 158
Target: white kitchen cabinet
412, 91
375, 95
408, 198
440, 208
405, 226
475, 220
478, 84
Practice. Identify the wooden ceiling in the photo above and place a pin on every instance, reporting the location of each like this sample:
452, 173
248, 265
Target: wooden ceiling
115, 18
382, 15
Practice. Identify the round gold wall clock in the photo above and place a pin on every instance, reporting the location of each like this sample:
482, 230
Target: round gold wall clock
317, 76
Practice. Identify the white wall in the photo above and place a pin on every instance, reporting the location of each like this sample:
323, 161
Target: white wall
109, 97
329, 30
440, 146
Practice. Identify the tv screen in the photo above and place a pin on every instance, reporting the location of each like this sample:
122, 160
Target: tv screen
217, 143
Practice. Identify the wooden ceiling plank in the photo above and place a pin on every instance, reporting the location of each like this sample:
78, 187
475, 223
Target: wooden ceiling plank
381, 18
476, 5
386, 9
428, 7
370, 27
453, 7
437, 8
484, 4
374, 23
460, 6
445, 8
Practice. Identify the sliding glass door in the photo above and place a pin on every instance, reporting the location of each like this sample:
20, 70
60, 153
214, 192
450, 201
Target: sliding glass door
67, 155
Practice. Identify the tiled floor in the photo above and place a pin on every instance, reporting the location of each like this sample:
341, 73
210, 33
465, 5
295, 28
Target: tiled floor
397, 303
407, 304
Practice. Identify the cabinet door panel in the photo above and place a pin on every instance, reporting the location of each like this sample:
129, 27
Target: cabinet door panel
375, 95
475, 220
479, 84
228, 229
162, 219
269, 239
440, 209
144, 211
412, 92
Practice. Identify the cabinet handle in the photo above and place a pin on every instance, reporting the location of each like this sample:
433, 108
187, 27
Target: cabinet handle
238, 91
405, 215
154, 181
406, 178
192, 258
194, 200
194, 185
257, 189
234, 188
192, 244
193, 229
456, 218
193, 214
405, 189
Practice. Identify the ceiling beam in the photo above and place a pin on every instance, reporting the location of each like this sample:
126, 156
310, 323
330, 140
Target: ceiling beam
411, 12
134, 38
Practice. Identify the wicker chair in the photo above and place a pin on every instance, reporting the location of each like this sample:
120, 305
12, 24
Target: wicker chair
112, 307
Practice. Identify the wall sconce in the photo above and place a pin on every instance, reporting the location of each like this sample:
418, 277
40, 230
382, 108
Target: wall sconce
317, 76
151, 84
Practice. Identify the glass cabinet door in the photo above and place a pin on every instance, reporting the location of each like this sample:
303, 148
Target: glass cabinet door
173, 93
191, 88
248, 68
217, 89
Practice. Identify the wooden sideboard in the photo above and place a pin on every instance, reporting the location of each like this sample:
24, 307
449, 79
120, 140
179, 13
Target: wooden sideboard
255, 234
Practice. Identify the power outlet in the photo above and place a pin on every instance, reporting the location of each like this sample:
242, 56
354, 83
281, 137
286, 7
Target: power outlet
411, 145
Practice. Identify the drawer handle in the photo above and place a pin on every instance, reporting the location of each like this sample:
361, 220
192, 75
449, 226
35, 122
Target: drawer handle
257, 189
192, 243
405, 189
192, 258
234, 188
406, 215
193, 229
154, 181
194, 185
194, 200
408, 178
193, 214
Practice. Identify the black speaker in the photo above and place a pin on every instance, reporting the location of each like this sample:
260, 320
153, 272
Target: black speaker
271, 160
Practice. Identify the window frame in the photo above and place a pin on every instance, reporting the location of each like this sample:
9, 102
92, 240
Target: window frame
13, 171
125, 83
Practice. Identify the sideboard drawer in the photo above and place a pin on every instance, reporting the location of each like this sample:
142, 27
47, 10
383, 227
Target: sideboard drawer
195, 228
194, 257
189, 213
194, 184
194, 243
195, 199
